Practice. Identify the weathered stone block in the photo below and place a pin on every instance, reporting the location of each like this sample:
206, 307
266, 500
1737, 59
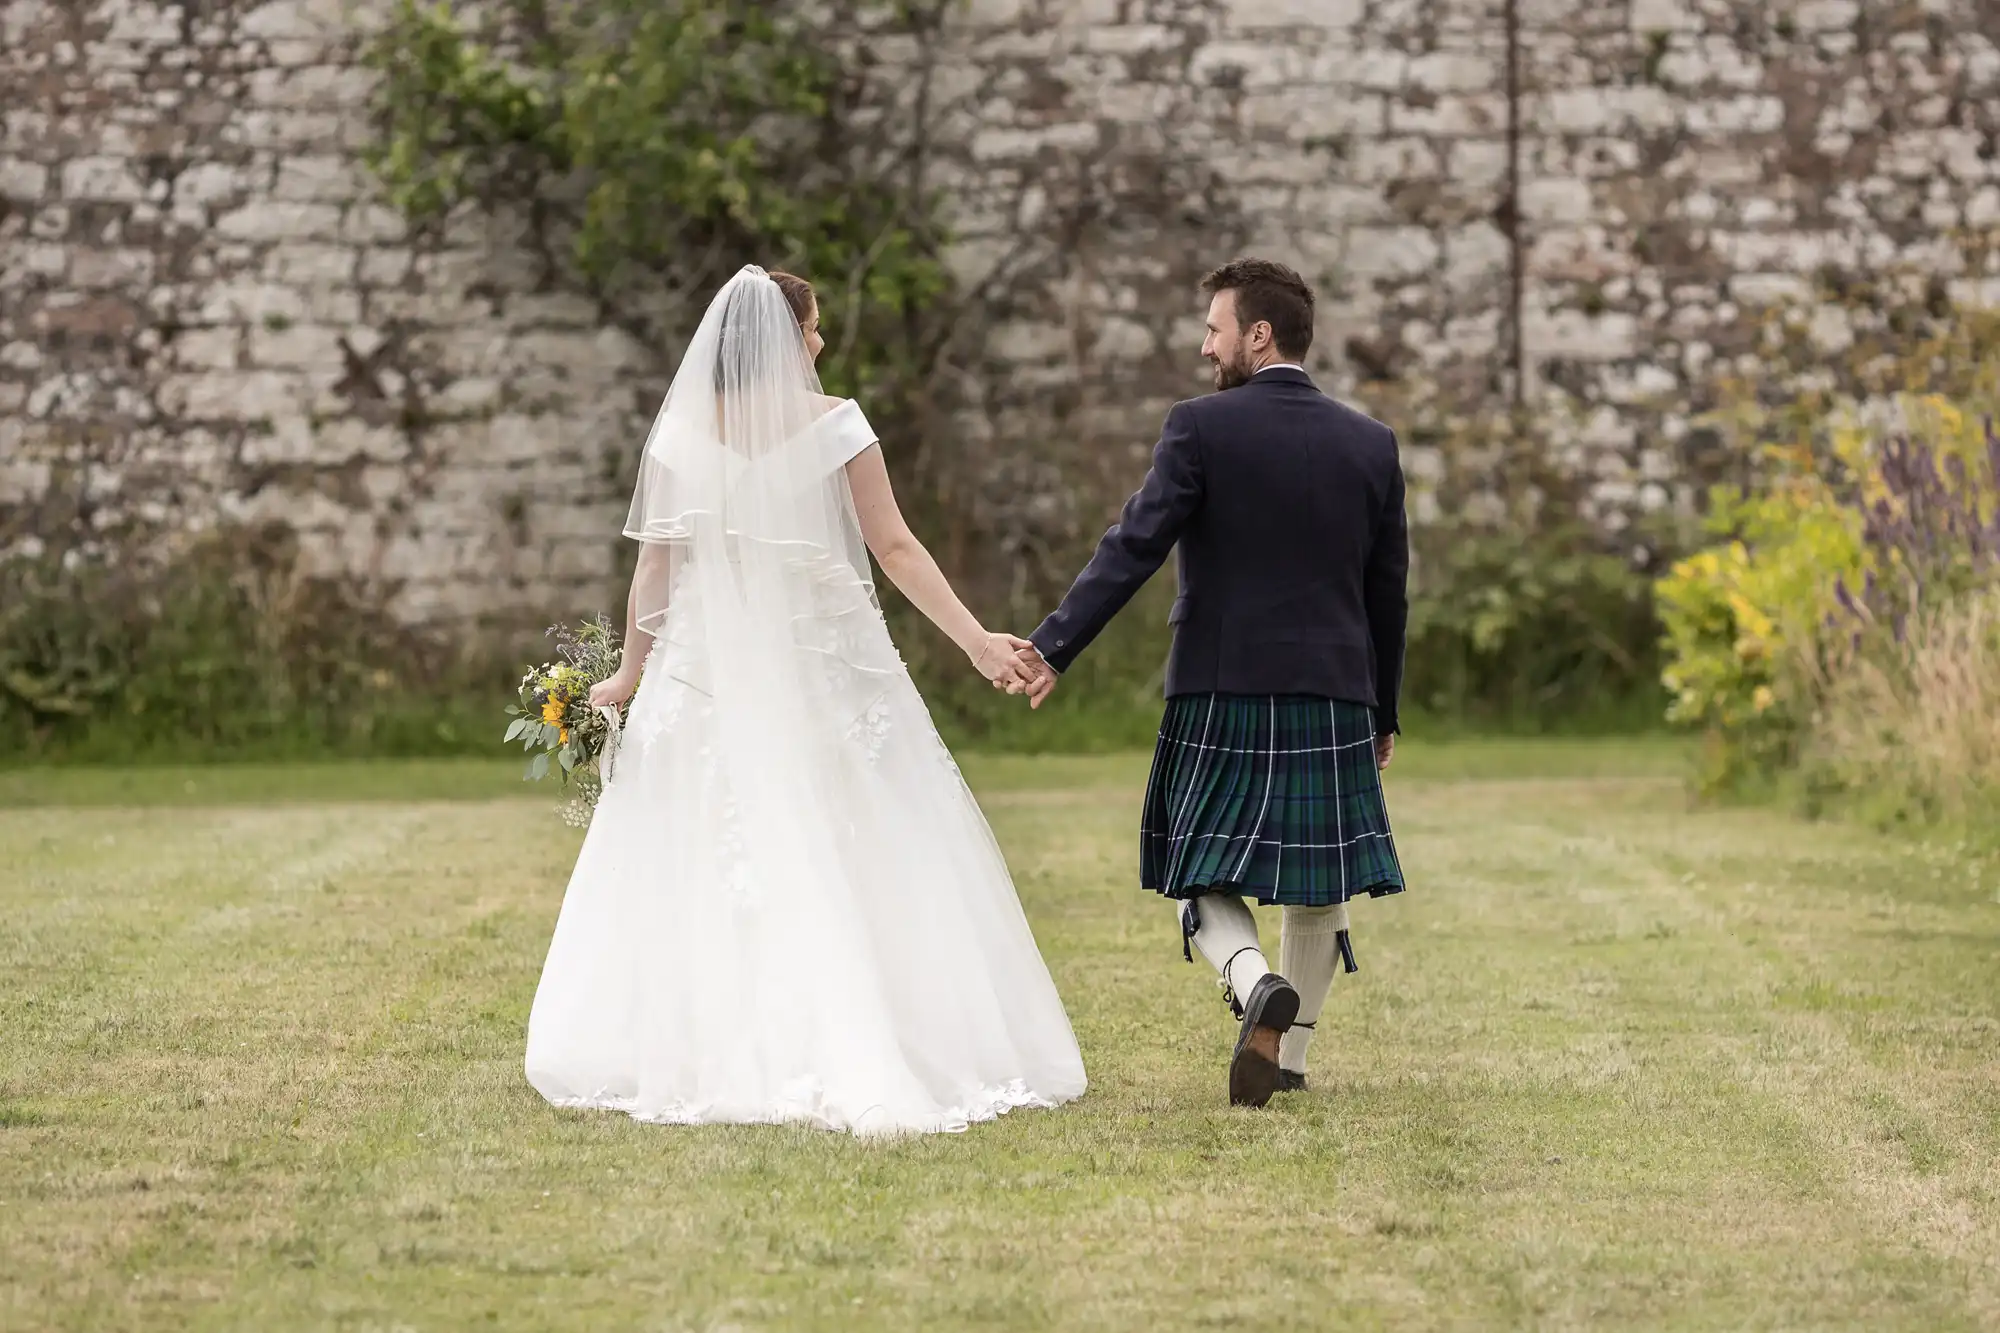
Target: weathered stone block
211, 182
1475, 255
323, 179
1812, 16
298, 20
34, 261
1736, 115
101, 179
372, 223
383, 267
308, 265
1379, 162
1130, 38
1649, 16
274, 221
139, 25
1265, 14
206, 349
283, 131
313, 88
1577, 336
247, 301
96, 269
23, 182
1558, 201
1457, 71
1395, 253
1475, 114
1239, 64
297, 347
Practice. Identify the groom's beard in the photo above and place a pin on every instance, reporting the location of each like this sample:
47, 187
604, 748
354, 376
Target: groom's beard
1230, 376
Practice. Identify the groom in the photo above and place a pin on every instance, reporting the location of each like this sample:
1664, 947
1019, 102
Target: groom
1287, 508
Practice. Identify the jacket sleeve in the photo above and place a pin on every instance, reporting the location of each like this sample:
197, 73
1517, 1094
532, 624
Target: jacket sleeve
1385, 591
1134, 548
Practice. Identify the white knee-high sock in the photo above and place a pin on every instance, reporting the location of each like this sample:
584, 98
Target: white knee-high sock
1308, 955
1228, 939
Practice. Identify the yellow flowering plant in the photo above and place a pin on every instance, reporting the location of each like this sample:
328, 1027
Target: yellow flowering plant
555, 723
1744, 620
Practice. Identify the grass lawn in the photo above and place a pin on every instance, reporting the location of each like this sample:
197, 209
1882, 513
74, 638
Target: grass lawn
1612, 1062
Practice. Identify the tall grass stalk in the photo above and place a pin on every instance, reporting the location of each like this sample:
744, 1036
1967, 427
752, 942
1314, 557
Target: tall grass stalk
1910, 730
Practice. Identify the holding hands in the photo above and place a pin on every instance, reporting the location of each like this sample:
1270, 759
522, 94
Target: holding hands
1011, 664
1015, 667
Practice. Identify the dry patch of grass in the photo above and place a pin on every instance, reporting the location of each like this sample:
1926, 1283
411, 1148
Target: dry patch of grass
1610, 1062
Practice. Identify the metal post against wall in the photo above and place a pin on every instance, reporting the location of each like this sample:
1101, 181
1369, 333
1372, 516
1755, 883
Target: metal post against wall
1516, 247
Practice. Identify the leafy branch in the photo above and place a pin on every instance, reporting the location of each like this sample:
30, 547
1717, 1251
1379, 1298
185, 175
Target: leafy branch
681, 139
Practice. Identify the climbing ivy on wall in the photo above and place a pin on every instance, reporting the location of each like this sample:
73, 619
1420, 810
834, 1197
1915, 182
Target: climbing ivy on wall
669, 142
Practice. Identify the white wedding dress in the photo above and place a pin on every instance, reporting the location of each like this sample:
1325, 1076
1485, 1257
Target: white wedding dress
788, 906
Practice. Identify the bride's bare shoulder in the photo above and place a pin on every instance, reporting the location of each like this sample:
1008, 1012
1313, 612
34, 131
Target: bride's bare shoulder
828, 404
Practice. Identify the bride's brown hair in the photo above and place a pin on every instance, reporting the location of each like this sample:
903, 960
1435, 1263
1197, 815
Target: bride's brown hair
798, 295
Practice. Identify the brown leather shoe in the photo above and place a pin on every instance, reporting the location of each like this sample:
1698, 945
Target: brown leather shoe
1267, 1014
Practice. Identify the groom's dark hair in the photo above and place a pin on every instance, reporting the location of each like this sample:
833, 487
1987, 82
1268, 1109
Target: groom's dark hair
1271, 293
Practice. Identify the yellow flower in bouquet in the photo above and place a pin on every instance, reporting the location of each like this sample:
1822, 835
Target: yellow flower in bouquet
561, 734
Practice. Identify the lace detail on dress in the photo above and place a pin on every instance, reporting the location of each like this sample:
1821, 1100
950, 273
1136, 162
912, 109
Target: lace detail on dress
732, 853
872, 727
944, 757
804, 1101
657, 712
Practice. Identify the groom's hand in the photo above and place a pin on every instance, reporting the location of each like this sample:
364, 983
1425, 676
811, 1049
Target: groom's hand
1035, 677
1385, 750
1045, 682
1009, 663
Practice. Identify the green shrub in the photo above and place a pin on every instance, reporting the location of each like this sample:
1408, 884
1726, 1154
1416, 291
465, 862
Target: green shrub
1538, 630
223, 649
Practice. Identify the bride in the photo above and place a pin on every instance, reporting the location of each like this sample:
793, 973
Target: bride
788, 907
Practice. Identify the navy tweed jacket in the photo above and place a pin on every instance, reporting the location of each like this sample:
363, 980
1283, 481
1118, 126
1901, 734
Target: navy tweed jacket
1287, 508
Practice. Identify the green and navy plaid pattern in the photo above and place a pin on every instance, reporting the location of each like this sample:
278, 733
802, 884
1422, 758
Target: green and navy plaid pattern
1274, 797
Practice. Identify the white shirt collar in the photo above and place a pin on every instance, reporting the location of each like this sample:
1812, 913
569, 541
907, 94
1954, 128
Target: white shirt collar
1282, 365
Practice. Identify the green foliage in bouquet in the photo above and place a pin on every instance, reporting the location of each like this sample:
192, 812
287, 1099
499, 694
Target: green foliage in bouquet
554, 719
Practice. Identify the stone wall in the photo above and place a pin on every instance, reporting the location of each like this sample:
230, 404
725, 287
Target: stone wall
207, 315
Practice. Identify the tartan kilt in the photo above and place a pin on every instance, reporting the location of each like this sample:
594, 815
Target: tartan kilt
1274, 797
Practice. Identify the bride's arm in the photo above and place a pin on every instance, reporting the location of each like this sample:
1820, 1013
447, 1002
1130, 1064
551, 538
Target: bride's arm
648, 575
917, 576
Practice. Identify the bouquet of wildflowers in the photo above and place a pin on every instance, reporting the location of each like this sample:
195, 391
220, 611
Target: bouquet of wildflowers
556, 724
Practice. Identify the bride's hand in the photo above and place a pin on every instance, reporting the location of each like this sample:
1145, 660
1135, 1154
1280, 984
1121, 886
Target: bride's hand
1008, 662
614, 690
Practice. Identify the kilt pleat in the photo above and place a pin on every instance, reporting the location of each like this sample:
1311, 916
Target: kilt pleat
1274, 797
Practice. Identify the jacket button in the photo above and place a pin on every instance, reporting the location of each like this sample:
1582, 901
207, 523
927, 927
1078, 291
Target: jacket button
1062, 643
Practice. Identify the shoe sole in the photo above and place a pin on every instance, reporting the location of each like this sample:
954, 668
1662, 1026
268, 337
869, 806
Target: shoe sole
1253, 1070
